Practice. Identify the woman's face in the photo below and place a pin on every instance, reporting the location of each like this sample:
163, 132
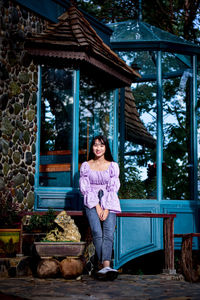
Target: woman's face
99, 149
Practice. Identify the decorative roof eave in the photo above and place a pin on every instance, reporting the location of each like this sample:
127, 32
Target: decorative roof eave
73, 39
135, 131
156, 45
80, 60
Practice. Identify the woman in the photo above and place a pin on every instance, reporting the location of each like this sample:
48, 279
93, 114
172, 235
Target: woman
99, 183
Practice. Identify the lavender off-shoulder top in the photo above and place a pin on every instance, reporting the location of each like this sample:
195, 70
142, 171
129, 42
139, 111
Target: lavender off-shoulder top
92, 181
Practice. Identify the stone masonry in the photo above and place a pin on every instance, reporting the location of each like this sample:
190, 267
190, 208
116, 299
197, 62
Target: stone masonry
18, 100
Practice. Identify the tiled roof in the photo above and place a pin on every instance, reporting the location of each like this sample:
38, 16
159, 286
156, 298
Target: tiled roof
135, 131
73, 41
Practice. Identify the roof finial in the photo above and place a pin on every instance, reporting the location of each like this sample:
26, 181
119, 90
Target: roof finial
73, 3
140, 11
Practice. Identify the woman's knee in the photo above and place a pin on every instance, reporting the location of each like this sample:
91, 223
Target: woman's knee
97, 234
109, 236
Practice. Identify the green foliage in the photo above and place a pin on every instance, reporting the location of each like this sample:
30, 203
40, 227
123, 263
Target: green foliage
131, 186
9, 213
132, 190
44, 222
109, 10
56, 110
177, 17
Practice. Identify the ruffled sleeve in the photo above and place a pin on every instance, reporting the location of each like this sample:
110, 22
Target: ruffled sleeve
112, 201
90, 197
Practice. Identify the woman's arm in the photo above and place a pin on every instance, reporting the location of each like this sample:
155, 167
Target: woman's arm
90, 197
112, 201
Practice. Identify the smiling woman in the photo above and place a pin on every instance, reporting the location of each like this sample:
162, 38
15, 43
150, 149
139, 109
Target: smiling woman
99, 183
99, 149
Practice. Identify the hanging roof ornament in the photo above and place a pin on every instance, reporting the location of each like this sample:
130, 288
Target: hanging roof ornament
72, 42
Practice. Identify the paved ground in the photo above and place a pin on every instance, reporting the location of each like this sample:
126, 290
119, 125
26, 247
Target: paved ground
151, 287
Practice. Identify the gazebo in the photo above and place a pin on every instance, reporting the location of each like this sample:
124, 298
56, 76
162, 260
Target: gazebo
160, 56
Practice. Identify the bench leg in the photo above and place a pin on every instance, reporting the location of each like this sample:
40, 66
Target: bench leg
186, 259
168, 232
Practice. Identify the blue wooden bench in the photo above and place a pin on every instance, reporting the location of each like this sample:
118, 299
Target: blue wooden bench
168, 235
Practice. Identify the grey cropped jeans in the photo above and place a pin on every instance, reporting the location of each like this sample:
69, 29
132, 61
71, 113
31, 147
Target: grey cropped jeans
102, 233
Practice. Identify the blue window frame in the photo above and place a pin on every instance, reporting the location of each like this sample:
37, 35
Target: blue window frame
62, 127
57, 139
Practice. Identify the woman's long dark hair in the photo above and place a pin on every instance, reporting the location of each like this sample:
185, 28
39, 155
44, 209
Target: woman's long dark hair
103, 140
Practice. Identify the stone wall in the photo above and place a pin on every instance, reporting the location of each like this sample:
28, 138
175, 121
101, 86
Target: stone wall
18, 99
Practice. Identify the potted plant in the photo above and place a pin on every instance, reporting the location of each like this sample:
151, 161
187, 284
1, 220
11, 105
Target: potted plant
41, 222
10, 221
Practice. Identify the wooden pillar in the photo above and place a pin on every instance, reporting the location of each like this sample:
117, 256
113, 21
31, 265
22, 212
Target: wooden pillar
169, 245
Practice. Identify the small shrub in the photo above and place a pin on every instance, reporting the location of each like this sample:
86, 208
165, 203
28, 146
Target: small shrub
9, 213
43, 223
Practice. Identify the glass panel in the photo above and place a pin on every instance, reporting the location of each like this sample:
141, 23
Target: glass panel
139, 181
56, 127
198, 130
130, 31
144, 61
133, 30
176, 125
96, 115
176, 145
173, 65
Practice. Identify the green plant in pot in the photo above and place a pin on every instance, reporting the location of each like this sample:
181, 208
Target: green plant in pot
41, 223
10, 214
10, 221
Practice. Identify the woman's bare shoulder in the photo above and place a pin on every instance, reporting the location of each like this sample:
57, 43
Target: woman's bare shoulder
90, 162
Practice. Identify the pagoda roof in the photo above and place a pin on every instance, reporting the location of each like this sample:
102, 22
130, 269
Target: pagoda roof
72, 42
135, 131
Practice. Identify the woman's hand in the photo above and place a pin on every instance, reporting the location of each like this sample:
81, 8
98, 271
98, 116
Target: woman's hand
102, 214
105, 214
99, 211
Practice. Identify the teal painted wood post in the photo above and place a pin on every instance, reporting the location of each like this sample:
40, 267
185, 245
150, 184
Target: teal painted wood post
116, 122
122, 128
194, 126
37, 163
75, 139
191, 141
111, 125
39, 93
159, 146
96, 122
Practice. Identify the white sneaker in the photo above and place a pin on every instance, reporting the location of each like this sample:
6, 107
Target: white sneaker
107, 273
104, 270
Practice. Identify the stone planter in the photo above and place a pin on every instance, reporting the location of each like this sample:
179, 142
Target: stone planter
59, 249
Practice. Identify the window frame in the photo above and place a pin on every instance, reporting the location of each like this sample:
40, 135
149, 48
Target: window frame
60, 194
60, 197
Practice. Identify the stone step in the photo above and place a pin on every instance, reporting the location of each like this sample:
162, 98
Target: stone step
15, 266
